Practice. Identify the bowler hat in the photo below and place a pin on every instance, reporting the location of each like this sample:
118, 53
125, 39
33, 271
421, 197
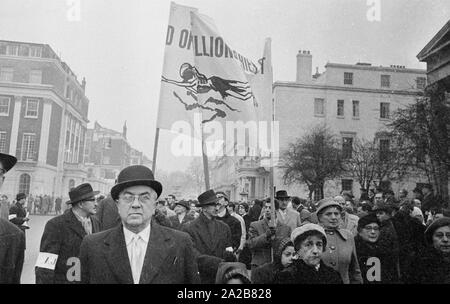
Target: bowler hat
208, 197
8, 161
134, 176
81, 192
325, 203
184, 203
282, 194
20, 196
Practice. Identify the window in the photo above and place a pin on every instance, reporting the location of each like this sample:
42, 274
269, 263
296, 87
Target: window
384, 110
28, 146
32, 108
347, 185
2, 142
347, 147
4, 105
23, 50
385, 81
106, 160
108, 143
340, 108
36, 76
6, 74
71, 184
348, 78
24, 183
384, 148
12, 50
319, 108
356, 108
421, 83
36, 51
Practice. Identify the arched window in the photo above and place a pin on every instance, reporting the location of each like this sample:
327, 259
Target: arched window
71, 184
24, 183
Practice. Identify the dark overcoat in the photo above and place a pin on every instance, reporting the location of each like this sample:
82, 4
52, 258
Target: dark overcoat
210, 238
62, 236
12, 252
108, 214
169, 258
175, 222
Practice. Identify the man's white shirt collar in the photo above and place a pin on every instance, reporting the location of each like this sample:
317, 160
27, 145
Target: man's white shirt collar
144, 234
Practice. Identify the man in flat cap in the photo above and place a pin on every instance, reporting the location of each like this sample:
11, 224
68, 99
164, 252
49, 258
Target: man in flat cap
58, 260
138, 251
12, 239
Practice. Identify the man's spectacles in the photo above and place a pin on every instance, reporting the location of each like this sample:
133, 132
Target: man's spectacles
143, 197
2, 172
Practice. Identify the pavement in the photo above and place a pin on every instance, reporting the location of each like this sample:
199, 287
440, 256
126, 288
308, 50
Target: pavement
33, 239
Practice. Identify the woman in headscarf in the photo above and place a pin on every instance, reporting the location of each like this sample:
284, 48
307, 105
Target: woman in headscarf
340, 253
283, 256
310, 241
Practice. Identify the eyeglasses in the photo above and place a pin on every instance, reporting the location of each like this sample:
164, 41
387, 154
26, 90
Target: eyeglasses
2, 172
143, 197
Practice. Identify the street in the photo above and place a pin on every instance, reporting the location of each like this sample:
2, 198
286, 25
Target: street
33, 237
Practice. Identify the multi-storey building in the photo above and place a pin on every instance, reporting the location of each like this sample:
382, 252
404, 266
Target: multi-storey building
43, 119
107, 153
353, 100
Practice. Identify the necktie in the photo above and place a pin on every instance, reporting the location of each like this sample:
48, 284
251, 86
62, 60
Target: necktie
86, 225
136, 257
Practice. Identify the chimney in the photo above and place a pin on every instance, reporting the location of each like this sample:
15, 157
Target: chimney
304, 66
124, 130
83, 84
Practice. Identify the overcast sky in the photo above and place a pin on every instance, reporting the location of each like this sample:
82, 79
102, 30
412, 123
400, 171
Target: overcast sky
118, 45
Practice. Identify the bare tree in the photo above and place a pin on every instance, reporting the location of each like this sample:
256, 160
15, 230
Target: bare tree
313, 159
424, 128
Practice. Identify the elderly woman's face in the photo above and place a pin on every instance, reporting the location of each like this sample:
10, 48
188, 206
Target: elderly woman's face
311, 250
330, 217
441, 239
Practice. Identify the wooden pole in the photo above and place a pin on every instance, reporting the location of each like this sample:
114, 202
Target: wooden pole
205, 161
155, 150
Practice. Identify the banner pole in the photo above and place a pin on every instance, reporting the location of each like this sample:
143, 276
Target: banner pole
155, 150
205, 161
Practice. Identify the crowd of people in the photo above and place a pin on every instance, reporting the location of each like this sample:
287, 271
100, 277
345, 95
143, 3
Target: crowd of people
133, 236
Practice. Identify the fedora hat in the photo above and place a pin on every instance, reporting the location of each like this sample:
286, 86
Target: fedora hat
81, 192
20, 196
8, 161
208, 197
282, 194
134, 176
184, 203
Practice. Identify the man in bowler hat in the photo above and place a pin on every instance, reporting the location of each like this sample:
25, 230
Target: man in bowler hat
12, 239
139, 251
211, 237
58, 261
17, 212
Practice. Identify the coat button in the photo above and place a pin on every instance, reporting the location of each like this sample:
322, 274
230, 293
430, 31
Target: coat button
331, 232
333, 263
332, 247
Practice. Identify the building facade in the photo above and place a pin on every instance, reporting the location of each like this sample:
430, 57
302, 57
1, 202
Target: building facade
107, 153
43, 120
353, 100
